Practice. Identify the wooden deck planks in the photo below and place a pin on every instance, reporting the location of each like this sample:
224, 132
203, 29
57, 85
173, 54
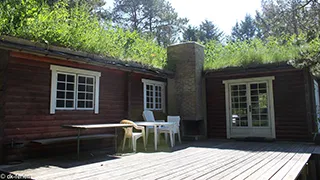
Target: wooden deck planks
260, 160
186, 165
129, 163
294, 171
222, 160
233, 165
152, 164
256, 171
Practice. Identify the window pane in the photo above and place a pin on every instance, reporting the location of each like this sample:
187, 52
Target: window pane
81, 95
69, 104
89, 96
60, 94
81, 88
81, 104
82, 79
70, 78
262, 85
61, 86
70, 87
60, 103
89, 88
89, 104
89, 80
70, 95
264, 123
253, 86
61, 77
262, 91
242, 87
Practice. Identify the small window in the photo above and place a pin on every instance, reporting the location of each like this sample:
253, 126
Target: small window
153, 95
74, 89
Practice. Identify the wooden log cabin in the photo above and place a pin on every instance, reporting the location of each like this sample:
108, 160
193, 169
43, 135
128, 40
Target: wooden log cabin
44, 87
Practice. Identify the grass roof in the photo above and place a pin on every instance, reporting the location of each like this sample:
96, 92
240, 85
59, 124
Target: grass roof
257, 51
77, 29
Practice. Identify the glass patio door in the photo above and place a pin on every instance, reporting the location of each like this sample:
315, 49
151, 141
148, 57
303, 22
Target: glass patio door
250, 110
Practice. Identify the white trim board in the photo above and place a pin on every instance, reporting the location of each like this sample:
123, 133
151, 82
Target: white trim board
246, 80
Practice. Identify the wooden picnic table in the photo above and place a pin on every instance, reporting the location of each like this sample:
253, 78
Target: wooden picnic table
95, 126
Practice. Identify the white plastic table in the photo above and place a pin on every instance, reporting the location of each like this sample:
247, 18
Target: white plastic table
155, 125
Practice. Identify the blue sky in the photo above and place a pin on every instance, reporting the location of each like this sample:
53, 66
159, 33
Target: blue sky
223, 13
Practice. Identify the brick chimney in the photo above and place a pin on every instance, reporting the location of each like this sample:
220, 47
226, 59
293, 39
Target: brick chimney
186, 91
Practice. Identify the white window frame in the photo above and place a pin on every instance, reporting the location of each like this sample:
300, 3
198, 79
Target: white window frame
267, 79
67, 70
163, 98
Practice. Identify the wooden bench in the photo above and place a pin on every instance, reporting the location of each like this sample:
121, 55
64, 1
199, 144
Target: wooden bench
72, 138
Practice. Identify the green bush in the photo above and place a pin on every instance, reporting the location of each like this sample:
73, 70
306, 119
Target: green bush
77, 29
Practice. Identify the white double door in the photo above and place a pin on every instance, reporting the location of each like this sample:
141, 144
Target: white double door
250, 109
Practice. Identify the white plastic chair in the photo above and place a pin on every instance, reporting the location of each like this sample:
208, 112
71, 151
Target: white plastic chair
175, 130
149, 117
129, 134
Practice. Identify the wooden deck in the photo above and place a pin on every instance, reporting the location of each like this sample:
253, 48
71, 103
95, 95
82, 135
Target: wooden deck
211, 159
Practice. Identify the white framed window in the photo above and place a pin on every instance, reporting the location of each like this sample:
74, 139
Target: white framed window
74, 89
153, 95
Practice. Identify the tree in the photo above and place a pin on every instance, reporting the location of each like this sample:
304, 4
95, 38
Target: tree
246, 30
278, 18
208, 31
190, 34
156, 18
95, 6
129, 14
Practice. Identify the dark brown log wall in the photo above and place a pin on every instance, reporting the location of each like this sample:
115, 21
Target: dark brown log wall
289, 91
4, 55
27, 115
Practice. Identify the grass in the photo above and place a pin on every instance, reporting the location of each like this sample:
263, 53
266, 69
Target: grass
257, 51
77, 29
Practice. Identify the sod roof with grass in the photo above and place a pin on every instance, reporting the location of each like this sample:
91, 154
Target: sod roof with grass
75, 28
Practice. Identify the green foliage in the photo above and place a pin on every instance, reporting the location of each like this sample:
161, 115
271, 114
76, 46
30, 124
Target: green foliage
245, 30
75, 28
207, 31
156, 18
257, 51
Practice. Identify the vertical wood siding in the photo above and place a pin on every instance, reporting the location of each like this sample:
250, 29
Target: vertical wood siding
289, 104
